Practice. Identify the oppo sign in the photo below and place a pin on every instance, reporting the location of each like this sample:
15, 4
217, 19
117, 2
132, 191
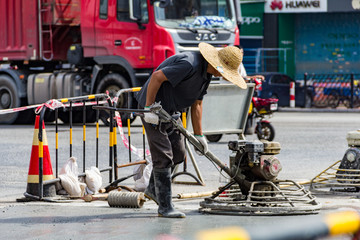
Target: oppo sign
250, 20
295, 6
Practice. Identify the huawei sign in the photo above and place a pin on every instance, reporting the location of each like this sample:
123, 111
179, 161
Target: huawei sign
292, 6
276, 4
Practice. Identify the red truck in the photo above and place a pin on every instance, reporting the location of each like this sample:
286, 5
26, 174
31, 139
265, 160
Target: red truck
51, 49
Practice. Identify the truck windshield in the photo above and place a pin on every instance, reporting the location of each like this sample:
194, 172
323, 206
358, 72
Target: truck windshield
196, 14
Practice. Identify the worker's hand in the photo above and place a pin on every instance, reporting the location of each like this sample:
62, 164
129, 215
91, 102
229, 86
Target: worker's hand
151, 117
202, 140
261, 77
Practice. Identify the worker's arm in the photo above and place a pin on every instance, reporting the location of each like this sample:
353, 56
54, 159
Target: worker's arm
196, 116
157, 78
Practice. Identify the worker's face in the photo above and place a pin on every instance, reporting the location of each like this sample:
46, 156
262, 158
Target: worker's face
213, 71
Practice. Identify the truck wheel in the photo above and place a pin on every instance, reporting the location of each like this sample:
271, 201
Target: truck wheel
9, 98
113, 82
213, 138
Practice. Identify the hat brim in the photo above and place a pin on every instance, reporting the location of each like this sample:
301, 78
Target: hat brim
211, 55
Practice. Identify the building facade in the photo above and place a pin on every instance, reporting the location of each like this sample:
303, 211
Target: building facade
318, 36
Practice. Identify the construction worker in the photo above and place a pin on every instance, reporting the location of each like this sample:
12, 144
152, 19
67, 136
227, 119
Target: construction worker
179, 82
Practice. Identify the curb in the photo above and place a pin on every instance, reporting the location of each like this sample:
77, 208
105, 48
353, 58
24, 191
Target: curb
326, 110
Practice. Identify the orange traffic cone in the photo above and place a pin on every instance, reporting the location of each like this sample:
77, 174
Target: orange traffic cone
49, 190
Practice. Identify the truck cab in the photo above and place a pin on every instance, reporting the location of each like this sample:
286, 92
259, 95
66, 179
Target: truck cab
92, 46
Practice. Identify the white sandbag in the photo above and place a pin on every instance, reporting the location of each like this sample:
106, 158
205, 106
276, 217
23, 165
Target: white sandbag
143, 182
69, 178
93, 180
71, 185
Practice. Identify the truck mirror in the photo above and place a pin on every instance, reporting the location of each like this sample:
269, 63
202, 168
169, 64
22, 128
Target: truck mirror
135, 10
164, 3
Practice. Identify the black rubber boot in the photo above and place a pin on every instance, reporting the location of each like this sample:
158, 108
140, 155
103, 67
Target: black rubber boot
162, 177
150, 189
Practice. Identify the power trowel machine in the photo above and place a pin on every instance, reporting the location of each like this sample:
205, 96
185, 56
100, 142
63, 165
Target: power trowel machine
342, 177
253, 187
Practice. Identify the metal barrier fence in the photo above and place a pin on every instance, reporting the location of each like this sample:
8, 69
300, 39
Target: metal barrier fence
265, 60
70, 103
333, 90
100, 102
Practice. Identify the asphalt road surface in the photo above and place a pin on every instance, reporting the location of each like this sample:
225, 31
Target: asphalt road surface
310, 142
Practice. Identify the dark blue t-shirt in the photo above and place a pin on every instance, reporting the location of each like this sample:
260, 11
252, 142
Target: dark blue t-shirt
187, 82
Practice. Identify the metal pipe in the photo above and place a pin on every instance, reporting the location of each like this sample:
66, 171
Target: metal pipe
81, 98
40, 29
132, 164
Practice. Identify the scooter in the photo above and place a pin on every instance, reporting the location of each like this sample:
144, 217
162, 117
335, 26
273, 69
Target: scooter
260, 111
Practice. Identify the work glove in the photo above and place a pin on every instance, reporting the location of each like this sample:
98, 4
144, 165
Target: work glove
203, 141
151, 117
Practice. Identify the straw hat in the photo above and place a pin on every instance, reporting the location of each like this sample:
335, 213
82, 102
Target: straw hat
226, 61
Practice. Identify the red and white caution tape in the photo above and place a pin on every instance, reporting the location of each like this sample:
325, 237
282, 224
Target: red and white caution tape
52, 104
19, 109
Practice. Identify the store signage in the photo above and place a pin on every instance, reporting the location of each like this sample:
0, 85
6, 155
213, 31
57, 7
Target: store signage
343, 6
295, 6
252, 20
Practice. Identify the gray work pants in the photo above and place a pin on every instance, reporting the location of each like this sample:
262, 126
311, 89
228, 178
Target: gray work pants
166, 143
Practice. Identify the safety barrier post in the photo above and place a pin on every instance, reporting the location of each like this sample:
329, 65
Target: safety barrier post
97, 135
115, 150
56, 143
41, 153
84, 134
111, 144
292, 94
70, 130
129, 138
305, 89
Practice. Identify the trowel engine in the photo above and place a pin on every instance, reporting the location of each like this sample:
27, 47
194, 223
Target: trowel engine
350, 160
254, 161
